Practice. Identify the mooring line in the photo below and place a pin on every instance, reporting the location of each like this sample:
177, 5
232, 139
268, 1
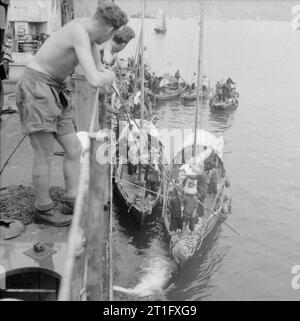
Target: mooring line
12, 153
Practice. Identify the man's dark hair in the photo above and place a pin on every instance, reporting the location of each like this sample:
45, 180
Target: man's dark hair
111, 14
123, 35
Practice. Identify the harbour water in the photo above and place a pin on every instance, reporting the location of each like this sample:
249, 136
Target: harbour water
262, 159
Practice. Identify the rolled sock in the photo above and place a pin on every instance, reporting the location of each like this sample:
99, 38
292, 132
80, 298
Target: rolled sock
44, 207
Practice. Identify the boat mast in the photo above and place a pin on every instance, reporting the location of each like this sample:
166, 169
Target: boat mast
199, 78
142, 66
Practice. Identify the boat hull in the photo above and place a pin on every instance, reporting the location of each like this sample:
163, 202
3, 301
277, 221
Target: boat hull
160, 30
171, 96
138, 187
210, 222
192, 97
224, 105
139, 216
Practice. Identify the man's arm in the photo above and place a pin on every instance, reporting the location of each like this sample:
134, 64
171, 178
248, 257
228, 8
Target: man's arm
107, 50
97, 58
83, 49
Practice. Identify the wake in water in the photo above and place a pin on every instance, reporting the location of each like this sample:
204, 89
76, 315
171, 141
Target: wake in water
155, 275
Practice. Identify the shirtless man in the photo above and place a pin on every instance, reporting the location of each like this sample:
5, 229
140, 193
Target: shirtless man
110, 49
44, 106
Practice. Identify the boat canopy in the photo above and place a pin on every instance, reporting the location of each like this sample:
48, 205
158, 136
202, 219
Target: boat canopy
137, 139
167, 79
204, 139
132, 130
206, 144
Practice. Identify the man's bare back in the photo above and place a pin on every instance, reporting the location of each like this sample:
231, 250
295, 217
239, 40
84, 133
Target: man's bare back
65, 49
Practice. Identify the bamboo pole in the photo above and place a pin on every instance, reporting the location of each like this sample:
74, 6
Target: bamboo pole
98, 222
111, 275
97, 231
199, 81
72, 281
142, 66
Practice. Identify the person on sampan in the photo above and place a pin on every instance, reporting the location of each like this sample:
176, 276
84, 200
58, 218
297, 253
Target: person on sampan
202, 186
194, 82
210, 169
44, 105
190, 205
177, 77
175, 211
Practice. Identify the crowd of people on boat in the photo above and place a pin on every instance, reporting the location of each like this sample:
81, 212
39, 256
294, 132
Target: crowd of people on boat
192, 86
225, 90
154, 84
186, 203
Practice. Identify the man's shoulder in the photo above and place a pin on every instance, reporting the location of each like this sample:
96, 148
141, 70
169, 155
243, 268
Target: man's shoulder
76, 30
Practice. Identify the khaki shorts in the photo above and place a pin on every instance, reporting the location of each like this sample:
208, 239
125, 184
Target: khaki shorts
43, 104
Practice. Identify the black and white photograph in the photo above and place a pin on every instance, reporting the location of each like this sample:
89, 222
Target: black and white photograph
149, 152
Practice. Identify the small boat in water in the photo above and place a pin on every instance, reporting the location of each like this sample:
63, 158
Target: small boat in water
162, 24
192, 96
224, 105
167, 94
138, 179
170, 90
224, 96
206, 173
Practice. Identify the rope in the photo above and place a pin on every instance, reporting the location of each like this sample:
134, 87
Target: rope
140, 187
111, 280
213, 213
11, 154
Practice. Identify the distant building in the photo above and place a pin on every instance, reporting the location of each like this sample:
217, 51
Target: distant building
28, 17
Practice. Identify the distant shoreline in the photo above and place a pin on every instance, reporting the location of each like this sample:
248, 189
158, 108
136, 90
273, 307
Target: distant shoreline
274, 10
279, 10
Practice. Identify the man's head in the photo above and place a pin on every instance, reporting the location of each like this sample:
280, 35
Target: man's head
121, 38
110, 18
